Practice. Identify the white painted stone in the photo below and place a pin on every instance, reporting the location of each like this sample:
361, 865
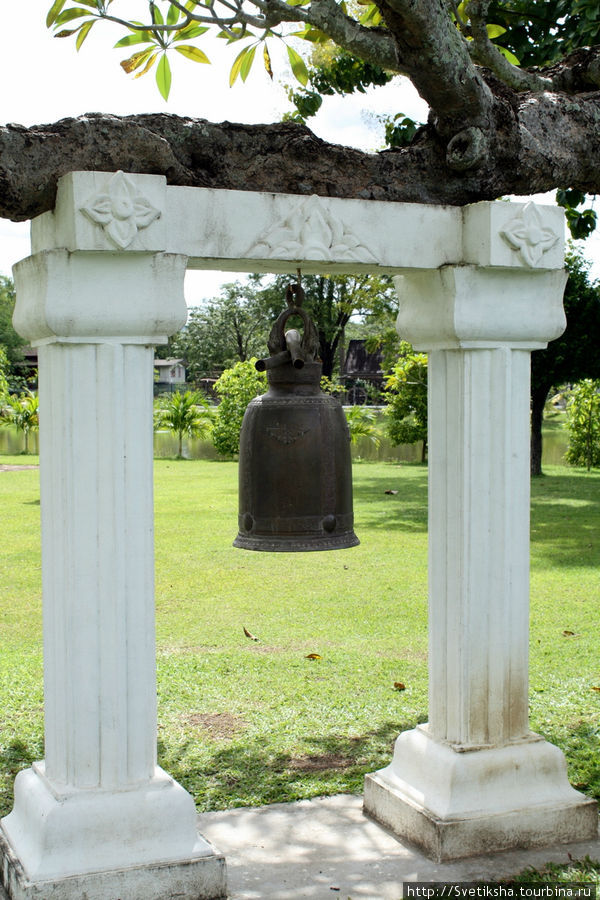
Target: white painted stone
476, 779
99, 803
522, 235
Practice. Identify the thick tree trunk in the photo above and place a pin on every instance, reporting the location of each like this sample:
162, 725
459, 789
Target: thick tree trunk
536, 142
538, 401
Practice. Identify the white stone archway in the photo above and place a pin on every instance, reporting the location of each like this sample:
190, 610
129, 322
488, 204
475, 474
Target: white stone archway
480, 287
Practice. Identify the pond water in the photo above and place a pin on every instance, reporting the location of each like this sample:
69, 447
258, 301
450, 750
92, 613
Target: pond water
165, 446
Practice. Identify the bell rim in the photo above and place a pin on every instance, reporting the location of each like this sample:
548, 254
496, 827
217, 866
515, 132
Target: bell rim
292, 544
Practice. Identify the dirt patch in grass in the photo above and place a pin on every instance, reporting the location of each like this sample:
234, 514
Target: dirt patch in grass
222, 726
5, 468
320, 762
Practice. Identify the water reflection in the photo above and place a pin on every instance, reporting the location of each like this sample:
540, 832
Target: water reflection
165, 447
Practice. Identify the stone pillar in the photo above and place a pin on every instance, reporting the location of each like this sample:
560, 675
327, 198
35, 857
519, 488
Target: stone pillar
475, 779
98, 818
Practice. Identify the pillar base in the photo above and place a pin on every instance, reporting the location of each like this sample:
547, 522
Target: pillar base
138, 843
454, 802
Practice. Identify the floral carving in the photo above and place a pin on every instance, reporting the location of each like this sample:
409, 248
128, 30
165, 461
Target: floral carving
527, 234
311, 232
121, 210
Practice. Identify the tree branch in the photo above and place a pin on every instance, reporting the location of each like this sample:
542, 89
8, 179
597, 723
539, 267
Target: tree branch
288, 158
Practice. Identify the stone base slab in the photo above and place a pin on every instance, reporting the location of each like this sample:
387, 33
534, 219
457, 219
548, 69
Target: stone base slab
454, 803
203, 878
137, 842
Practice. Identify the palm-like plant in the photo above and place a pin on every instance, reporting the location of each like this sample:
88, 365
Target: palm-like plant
23, 412
362, 423
185, 414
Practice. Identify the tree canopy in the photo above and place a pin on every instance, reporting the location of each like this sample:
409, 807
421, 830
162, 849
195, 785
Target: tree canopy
571, 357
512, 87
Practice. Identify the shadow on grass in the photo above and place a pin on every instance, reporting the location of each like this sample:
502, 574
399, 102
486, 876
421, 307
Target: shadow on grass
581, 746
254, 773
405, 510
565, 519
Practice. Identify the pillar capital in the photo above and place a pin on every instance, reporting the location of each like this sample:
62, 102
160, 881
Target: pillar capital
91, 297
470, 307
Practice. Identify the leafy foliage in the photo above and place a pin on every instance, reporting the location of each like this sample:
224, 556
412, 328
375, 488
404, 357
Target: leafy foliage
10, 341
571, 357
4, 365
185, 414
343, 74
333, 301
230, 328
583, 424
236, 388
406, 397
539, 32
362, 423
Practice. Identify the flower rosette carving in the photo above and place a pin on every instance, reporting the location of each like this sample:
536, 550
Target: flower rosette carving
121, 210
527, 234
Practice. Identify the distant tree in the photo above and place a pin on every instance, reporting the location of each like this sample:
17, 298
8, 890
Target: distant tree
573, 356
406, 396
236, 388
10, 341
185, 414
23, 412
333, 301
583, 423
227, 329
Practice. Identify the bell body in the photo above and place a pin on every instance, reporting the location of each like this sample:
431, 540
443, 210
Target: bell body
295, 470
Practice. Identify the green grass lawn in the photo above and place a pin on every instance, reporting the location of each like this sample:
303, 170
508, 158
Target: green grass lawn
246, 723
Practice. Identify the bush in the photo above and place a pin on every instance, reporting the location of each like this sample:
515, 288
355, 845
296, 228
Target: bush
583, 424
236, 388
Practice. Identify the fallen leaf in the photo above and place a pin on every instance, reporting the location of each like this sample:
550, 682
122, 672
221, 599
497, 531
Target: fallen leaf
249, 634
569, 633
398, 686
596, 689
312, 656
390, 492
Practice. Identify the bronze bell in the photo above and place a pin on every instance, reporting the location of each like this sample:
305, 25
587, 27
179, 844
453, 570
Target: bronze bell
295, 470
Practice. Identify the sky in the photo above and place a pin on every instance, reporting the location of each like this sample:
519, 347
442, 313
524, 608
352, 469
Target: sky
44, 79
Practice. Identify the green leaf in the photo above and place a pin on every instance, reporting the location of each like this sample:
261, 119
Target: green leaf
193, 53
298, 66
157, 16
54, 11
173, 15
69, 14
163, 76
494, 31
247, 63
142, 37
83, 32
314, 35
189, 32
237, 66
508, 55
